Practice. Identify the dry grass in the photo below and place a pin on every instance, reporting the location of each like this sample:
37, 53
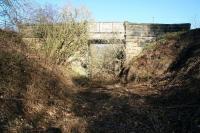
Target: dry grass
34, 95
38, 97
156, 58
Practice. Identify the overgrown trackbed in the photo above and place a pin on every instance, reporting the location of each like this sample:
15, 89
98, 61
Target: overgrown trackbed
36, 97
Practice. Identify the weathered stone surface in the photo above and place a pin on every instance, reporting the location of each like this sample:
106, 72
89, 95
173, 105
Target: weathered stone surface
139, 35
133, 35
106, 27
132, 52
106, 36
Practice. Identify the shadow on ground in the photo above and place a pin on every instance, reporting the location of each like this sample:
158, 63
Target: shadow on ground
109, 111
114, 110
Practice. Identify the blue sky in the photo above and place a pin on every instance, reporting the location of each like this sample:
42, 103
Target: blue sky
141, 11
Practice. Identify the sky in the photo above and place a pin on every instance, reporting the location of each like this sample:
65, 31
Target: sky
139, 11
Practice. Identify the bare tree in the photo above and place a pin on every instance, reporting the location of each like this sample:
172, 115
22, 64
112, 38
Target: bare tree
40, 15
63, 32
11, 12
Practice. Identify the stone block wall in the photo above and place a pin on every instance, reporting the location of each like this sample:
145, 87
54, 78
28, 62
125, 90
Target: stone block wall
106, 30
131, 38
137, 35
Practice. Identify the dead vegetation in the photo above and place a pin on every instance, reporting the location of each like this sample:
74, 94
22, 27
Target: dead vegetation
39, 97
156, 58
33, 96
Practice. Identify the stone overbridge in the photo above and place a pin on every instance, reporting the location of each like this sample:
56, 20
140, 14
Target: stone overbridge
113, 44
